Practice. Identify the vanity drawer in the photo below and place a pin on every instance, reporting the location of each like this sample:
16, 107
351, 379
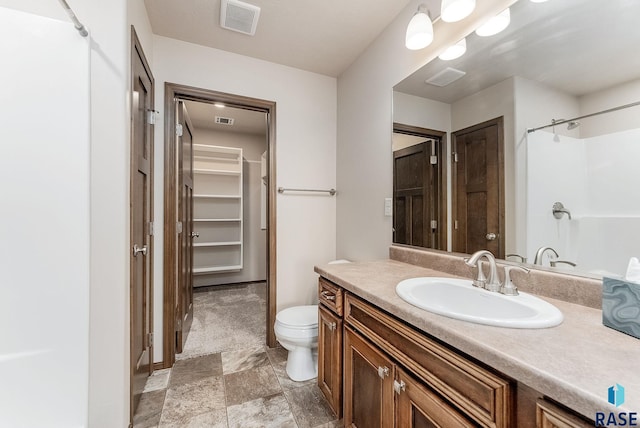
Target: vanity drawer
479, 393
330, 295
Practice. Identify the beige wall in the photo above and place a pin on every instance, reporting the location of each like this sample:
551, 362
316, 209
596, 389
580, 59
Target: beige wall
609, 98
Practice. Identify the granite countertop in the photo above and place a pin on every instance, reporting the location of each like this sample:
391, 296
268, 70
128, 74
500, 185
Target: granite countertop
574, 363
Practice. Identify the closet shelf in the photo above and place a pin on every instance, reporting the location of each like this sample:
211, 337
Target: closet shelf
217, 244
217, 219
217, 196
216, 172
216, 269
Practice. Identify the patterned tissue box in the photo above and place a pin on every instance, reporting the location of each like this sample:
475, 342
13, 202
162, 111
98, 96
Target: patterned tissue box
621, 305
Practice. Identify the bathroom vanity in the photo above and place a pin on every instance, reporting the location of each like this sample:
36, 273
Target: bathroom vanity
383, 362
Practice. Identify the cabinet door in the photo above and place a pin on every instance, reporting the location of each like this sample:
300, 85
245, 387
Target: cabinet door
552, 416
368, 384
417, 406
330, 358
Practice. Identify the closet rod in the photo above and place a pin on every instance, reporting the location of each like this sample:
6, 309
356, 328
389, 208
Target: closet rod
330, 191
76, 23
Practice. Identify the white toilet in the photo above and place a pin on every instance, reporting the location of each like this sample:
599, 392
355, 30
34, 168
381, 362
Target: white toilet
296, 329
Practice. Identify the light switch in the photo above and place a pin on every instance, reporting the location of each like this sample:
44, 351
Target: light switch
388, 211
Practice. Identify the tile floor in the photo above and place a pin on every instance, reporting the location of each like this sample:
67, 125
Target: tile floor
226, 377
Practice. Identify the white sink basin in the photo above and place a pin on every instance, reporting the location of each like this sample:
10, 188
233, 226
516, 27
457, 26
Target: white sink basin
457, 298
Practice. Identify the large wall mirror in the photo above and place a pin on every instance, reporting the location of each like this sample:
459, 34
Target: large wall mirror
539, 132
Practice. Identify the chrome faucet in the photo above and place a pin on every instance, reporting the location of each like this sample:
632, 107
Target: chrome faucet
493, 282
540, 253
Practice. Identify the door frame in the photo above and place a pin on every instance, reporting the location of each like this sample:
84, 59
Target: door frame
499, 123
173, 91
136, 50
441, 196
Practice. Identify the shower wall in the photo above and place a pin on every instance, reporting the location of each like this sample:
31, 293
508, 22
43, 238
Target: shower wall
596, 179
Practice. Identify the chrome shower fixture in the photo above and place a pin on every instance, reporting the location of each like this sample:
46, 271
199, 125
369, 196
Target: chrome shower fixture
573, 125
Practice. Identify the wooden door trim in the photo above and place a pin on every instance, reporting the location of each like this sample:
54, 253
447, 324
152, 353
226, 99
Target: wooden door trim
499, 122
188, 93
442, 174
136, 50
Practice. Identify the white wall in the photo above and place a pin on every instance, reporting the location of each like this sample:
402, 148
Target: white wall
305, 144
364, 158
108, 286
254, 239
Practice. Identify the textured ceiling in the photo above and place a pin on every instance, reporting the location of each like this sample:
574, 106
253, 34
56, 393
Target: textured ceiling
319, 36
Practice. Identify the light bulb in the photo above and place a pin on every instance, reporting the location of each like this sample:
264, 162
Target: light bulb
456, 10
495, 24
454, 51
419, 32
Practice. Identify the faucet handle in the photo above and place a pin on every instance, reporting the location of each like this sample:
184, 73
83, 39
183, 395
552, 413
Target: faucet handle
509, 288
480, 280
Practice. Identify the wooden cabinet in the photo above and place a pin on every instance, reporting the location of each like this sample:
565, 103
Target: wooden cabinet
330, 358
368, 384
549, 415
418, 406
393, 375
217, 209
330, 344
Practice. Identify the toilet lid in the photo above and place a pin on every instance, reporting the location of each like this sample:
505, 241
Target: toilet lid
299, 316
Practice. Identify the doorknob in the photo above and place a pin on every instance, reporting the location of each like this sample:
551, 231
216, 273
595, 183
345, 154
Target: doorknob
137, 250
491, 236
195, 235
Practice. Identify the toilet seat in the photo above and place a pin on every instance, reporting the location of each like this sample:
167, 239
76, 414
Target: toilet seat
299, 317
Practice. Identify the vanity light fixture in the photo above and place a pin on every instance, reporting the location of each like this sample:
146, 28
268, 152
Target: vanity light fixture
456, 10
454, 51
495, 24
219, 105
420, 30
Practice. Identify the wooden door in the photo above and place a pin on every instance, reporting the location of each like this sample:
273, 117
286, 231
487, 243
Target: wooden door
478, 188
184, 284
413, 196
141, 222
330, 358
418, 406
368, 384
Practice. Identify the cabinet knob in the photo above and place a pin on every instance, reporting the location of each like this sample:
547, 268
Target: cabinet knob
383, 372
328, 296
332, 326
195, 235
491, 236
398, 387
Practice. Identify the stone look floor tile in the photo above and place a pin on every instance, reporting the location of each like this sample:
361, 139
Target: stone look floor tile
280, 370
236, 361
265, 412
158, 380
277, 354
250, 384
149, 409
184, 402
309, 406
194, 369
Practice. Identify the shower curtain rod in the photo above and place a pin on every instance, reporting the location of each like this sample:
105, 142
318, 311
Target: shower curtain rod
76, 23
560, 122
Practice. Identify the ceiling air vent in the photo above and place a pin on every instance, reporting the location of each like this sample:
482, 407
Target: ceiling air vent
445, 77
224, 120
239, 16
